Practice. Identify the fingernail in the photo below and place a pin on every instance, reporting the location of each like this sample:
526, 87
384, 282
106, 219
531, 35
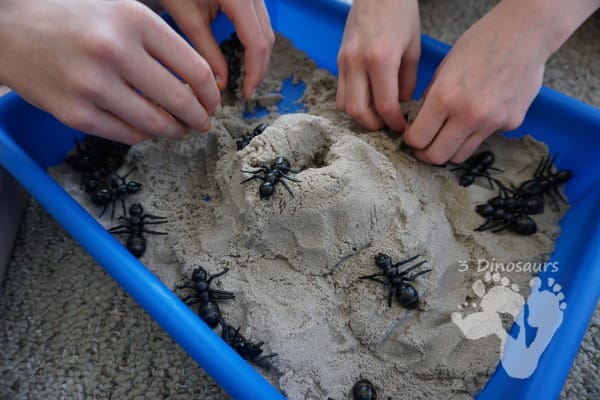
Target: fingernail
219, 81
218, 108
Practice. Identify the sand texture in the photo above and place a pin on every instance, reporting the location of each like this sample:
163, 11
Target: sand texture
295, 259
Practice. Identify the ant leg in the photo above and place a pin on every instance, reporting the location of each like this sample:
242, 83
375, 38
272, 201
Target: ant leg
553, 203
551, 164
488, 224
218, 274
413, 277
152, 217
191, 299
391, 294
185, 286
372, 276
290, 178
503, 190
103, 210
252, 177
406, 271
154, 222
287, 188
491, 181
123, 205
263, 168
225, 334
154, 232
118, 232
224, 330
540, 168
374, 279
221, 295
502, 227
128, 173
559, 195
406, 260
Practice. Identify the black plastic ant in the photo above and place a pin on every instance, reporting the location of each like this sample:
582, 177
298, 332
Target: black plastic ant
114, 188
498, 219
246, 349
91, 181
233, 50
97, 153
363, 389
478, 165
508, 210
245, 140
134, 226
545, 182
405, 293
272, 174
508, 201
208, 310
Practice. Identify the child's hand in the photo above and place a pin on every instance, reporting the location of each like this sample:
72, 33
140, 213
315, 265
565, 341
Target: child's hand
252, 25
377, 61
106, 68
491, 76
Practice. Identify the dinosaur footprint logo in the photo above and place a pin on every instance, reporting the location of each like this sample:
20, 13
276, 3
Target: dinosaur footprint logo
501, 298
545, 309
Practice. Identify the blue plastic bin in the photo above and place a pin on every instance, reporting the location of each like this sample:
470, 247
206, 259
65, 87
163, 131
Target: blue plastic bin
31, 141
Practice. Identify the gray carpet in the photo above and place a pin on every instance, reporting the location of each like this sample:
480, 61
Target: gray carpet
67, 331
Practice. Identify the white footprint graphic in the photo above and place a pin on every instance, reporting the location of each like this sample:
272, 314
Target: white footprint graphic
499, 299
546, 308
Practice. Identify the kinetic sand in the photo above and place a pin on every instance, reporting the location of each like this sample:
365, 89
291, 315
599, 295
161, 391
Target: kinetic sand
295, 260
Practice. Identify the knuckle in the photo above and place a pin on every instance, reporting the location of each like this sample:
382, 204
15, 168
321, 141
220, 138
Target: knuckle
262, 47
474, 113
87, 85
514, 122
348, 53
78, 117
376, 55
180, 100
436, 157
156, 124
448, 98
417, 142
386, 107
103, 46
354, 111
202, 71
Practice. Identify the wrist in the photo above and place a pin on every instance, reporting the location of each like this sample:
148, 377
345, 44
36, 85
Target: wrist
549, 23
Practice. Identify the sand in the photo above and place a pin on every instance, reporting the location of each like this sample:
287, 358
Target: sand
295, 259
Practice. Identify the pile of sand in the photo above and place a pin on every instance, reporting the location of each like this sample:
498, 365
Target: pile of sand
295, 260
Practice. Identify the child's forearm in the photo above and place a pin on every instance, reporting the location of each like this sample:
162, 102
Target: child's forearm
550, 22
